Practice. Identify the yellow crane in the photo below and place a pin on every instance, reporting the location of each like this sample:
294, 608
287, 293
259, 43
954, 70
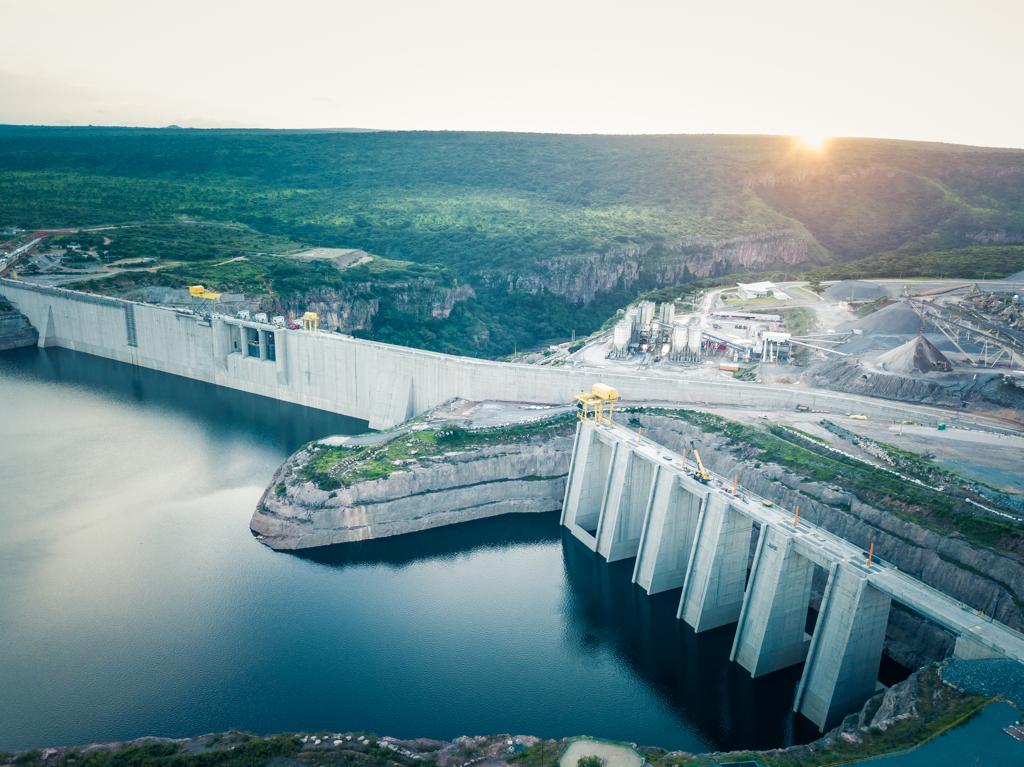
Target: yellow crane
590, 404
702, 474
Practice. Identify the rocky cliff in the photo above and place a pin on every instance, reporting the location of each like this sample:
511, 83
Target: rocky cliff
15, 330
451, 487
582, 277
357, 307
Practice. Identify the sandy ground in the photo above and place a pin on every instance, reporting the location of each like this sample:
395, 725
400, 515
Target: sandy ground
613, 755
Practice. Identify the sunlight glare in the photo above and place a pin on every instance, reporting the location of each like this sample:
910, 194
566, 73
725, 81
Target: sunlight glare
815, 141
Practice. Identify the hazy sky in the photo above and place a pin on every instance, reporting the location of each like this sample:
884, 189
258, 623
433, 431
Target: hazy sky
932, 69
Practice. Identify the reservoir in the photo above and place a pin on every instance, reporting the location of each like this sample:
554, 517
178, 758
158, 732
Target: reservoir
134, 600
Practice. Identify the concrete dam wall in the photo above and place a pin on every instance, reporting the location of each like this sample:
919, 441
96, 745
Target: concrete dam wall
629, 498
383, 384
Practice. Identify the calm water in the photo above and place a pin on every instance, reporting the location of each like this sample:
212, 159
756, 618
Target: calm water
133, 599
979, 743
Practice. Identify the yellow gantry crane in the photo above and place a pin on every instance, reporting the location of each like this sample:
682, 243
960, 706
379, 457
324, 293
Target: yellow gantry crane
590, 405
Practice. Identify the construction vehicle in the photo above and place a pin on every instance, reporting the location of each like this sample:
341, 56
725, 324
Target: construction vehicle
701, 474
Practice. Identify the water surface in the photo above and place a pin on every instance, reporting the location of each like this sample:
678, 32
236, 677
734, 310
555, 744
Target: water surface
133, 599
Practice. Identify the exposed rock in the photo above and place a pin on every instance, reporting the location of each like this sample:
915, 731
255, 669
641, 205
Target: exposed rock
581, 277
15, 330
483, 482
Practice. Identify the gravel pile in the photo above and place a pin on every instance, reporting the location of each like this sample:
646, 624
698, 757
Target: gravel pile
918, 355
989, 676
894, 319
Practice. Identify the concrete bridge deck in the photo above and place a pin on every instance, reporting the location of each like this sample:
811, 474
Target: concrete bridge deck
627, 497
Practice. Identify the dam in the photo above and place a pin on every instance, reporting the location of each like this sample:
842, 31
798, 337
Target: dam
629, 498
380, 383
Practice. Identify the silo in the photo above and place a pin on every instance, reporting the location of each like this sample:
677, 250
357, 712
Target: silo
679, 341
667, 312
622, 334
693, 335
646, 313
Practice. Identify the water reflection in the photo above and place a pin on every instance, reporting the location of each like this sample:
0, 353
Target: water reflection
690, 671
223, 411
492, 533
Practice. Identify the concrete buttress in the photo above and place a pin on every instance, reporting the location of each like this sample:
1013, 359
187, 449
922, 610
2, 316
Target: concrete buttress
717, 572
670, 523
842, 664
770, 634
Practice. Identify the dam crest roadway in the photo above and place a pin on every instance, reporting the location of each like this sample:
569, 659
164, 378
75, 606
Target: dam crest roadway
628, 497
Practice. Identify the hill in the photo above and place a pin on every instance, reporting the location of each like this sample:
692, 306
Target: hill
518, 238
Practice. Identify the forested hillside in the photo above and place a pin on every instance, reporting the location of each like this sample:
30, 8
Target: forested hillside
527, 237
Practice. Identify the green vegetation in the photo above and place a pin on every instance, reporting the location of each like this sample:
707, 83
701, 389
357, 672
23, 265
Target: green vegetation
939, 708
590, 761
333, 467
521, 222
806, 457
172, 242
978, 262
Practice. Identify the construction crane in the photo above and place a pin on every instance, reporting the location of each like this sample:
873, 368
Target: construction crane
702, 474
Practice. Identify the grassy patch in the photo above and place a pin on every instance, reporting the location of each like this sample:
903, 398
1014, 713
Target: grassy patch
940, 708
331, 467
924, 506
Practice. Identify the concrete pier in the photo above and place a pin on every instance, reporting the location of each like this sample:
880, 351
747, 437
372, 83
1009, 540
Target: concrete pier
717, 574
697, 537
842, 665
670, 523
622, 518
770, 633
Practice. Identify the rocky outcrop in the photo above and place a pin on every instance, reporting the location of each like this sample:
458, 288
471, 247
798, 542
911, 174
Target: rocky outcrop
15, 330
580, 278
456, 487
357, 308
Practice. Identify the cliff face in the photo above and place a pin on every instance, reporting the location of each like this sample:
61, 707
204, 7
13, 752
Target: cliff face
15, 330
358, 307
580, 278
484, 482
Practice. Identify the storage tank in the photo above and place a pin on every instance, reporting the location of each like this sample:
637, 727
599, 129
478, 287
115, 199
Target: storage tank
680, 336
667, 312
693, 335
646, 313
622, 334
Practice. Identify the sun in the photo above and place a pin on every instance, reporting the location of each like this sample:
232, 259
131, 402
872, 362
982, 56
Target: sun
815, 141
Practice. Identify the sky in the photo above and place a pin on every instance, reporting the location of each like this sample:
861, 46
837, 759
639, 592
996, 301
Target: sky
943, 70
